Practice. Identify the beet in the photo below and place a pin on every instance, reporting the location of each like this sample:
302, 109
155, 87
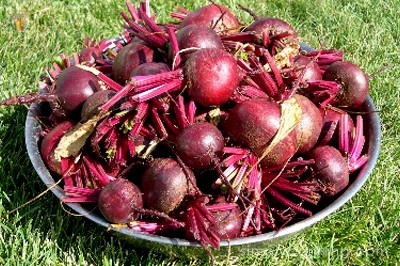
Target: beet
91, 105
330, 129
254, 123
229, 222
354, 83
213, 76
90, 54
274, 26
49, 144
128, 58
215, 16
120, 200
164, 185
73, 86
330, 169
200, 145
307, 69
196, 36
309, 128
150, 68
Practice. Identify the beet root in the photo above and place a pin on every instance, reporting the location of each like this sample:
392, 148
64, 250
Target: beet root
213, 76
120, 201
254, 123
354, 83
200, 145
330, 169
164, 185
309, 128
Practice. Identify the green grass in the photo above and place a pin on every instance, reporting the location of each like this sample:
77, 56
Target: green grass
363, 232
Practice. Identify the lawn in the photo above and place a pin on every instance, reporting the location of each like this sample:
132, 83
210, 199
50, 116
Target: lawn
365, 231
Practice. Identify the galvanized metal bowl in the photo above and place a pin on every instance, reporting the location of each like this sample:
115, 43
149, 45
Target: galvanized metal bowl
182, 246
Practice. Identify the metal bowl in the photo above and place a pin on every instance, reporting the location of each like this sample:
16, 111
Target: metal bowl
182, 246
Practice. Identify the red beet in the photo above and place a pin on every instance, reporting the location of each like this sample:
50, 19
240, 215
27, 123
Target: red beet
270, 27
354, 83
215, 16
254, 123
229, 222
307, 69
89, 54
164, 185
213, 75
309, 128
120, 200
50, 142
330, 130
128, 58
330, 169
200, 145
197, 36
91, 105
73, 86
150, 68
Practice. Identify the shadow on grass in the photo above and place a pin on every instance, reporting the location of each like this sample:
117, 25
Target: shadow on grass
69, 234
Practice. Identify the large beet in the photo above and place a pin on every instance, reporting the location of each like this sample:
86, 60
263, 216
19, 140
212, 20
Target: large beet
200, 145
215, 16
74, 86
164, 185
354, 83
254, 123
213, 76
309, 128
330, 169
120, 201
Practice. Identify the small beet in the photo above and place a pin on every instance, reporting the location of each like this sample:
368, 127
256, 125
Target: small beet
94, 101
200, 145
164, 185
229, 222
120, 200
330, 169
150, 68
128, 58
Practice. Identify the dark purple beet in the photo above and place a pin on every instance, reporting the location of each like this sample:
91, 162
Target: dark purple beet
354, 83
330, 129
229, 222
307, 69
50, 142
196, 36
91, 105
200, 145
128, 58
120, 200
73, 86
89, 54
309, 128
215, 16
330, 169
273, 26
150, 68
164, 185
213, 75
254, 123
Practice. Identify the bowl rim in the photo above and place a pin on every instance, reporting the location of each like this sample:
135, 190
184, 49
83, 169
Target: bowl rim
32, 128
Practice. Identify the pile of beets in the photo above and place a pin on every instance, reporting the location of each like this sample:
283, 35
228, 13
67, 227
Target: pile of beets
202, 128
